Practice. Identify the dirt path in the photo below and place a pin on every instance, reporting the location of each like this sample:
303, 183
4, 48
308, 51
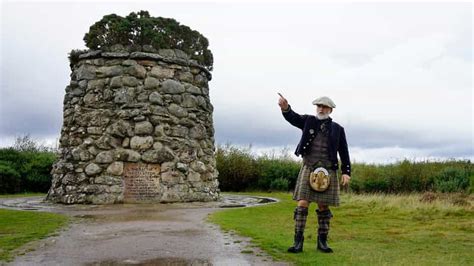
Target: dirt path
139, 234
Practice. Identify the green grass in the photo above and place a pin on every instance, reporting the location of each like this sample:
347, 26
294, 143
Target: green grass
366, 230
20, 227
27, 194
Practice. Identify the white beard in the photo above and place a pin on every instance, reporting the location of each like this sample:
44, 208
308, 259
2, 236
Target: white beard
322, 116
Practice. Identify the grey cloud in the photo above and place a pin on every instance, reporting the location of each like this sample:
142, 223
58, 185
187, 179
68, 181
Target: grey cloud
255, 130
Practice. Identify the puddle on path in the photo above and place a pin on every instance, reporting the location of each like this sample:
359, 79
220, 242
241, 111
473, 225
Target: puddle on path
157, 261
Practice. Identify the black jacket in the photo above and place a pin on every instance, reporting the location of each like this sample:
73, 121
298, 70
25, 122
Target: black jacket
309, 124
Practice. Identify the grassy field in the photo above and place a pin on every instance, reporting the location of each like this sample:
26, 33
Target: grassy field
420, 229
20, 227
28, 194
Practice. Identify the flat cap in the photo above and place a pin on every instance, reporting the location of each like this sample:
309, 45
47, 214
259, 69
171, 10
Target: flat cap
325, 101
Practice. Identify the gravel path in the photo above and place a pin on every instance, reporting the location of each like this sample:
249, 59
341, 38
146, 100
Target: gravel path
140, 234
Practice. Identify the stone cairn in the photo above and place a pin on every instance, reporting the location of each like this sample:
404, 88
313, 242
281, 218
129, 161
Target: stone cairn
137, 128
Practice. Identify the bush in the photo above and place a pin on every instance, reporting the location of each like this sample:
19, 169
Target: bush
9, 179
273, 169
280, 184
138, 29
37, 171
452, 180
240, 170
25, 171
402, 177
237, 168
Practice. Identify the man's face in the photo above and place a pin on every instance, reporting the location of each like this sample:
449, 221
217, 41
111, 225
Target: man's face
323, 110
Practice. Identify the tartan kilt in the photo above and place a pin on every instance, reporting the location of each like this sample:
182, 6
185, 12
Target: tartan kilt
303, 190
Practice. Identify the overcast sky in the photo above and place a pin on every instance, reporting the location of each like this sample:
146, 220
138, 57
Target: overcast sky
400, 74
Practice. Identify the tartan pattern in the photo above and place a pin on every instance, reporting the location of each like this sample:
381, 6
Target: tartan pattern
299, 216
323, 221
303, 190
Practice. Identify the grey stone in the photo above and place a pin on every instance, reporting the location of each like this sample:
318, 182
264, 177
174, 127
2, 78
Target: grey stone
115, 54
141, 143
106, 142
90, 54
136, 70
115, 168
161, 72
157, 146
127, 155
177, 99
181, 54
158, 156
143, 128
156, 98
93, 169
91, 99
120, 128
172, 87
95, 130
139, 118
109, 71
199, 167
200, 80
104, 157
177, 110
124, 95
142, 55
167, 53
182, 167
158, 110
197, 132
86, 72
130, 81
77, 92
189, 101
179, 131
151, 83
160, 131
186, 77
83, 84
193, 89
126, 142
96, 84
129, 62
194, 176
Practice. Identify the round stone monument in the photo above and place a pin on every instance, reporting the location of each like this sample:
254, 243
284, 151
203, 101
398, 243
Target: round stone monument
137, 127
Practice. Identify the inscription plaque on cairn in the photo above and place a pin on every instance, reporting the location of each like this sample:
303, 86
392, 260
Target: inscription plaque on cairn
142, 181
137, 123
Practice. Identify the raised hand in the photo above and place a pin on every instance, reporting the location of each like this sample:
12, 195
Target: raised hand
282, 102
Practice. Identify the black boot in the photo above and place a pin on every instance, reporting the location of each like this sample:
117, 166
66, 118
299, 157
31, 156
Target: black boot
298, 245
323, 244
323, 230
299, 216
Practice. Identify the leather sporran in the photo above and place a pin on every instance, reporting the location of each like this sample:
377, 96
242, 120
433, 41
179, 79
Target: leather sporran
319, 179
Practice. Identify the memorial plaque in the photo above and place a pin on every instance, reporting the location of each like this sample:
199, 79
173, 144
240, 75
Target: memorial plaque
142, 181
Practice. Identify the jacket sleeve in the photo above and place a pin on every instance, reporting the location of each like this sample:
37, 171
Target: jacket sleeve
294, 118
344, 154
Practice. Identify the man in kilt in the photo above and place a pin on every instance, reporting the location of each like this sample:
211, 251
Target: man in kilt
320, 142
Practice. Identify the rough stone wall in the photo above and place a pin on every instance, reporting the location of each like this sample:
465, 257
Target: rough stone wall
137, 127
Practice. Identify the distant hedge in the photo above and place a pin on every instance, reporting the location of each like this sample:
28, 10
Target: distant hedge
139, 29
25, 171
240, 170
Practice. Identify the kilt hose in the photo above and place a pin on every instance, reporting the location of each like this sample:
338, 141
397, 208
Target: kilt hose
303, 190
